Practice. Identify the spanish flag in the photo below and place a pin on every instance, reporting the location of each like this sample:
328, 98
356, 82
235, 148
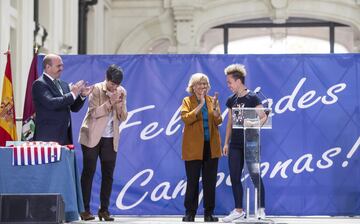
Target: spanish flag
7, 109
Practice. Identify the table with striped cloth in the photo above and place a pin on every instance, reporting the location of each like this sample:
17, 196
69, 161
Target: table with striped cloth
59, 177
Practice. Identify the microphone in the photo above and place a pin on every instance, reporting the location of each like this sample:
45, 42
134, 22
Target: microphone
266, 104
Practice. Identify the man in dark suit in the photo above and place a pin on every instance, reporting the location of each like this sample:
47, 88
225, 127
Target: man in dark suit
53, 100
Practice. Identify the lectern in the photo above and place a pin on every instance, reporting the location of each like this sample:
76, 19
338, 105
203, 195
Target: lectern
251, 121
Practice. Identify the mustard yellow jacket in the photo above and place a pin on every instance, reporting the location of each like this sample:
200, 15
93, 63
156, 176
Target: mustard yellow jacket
193, 136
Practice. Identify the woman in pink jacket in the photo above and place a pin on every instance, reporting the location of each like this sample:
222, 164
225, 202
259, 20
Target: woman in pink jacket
99, 137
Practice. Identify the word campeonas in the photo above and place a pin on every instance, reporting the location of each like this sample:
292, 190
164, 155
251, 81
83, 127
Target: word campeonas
165, 190
286, 103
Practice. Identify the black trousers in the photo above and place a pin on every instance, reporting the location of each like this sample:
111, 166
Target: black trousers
105, 151
236, 166
208, 167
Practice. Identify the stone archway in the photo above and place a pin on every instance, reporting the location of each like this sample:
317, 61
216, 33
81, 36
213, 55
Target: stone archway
185, 22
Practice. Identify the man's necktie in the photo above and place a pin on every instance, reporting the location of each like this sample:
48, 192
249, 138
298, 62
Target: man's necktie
57, 83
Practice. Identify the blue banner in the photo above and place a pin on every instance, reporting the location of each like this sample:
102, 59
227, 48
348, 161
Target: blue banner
310, 159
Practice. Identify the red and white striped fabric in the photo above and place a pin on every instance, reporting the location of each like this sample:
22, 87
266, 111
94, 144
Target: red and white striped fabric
36, 154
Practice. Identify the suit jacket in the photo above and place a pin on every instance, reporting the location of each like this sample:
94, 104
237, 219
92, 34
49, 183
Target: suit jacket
97, 117
53, 119
193, 136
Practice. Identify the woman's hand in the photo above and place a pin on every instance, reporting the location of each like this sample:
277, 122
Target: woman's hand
115, 98
202, 99
216, 105
251, 123
226, 149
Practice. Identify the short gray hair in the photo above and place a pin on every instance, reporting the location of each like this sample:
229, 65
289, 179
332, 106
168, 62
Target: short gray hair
196, 78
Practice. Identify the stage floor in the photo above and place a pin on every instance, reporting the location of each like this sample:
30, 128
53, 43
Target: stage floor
199, 219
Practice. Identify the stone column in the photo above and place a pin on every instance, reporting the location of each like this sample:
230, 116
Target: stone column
24, 55
279, 11
184, 25
4, 36
356, 48
96, 29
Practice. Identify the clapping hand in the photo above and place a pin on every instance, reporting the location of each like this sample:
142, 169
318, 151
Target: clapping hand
86, 90
216, 104
202, 98
76, 88
116, 97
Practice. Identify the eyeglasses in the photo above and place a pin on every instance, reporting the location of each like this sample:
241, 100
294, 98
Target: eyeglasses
202, 83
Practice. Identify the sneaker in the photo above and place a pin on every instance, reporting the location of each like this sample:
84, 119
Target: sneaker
261, 213
234, 215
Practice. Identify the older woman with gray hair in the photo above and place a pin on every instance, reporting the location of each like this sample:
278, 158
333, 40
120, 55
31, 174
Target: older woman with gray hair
201, 148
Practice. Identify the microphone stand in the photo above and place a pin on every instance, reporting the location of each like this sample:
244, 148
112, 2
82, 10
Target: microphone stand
266, 104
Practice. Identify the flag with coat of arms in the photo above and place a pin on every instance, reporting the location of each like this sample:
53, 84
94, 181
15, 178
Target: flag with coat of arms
7, 108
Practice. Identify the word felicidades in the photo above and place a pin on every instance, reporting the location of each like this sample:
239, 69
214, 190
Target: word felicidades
287, 103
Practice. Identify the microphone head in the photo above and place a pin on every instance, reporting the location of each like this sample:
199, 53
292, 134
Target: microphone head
257, 90
267, 110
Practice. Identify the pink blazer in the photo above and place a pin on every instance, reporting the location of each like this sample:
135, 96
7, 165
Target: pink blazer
96, 117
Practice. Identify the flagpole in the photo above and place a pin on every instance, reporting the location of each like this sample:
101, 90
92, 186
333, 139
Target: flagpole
36, 48
8, 50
